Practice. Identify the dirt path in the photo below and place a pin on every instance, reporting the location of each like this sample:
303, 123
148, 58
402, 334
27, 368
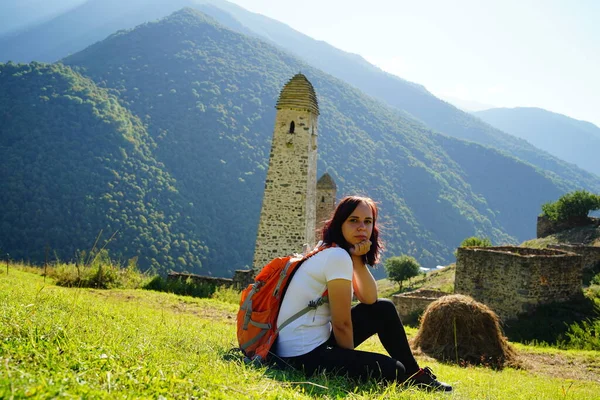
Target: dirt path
563, 365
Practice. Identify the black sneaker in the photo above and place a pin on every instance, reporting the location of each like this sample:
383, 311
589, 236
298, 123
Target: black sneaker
425, 379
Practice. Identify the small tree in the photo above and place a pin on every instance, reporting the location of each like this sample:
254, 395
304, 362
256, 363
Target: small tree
402, 267
574, 204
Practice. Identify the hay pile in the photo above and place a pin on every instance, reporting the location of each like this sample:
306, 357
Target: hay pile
458, 329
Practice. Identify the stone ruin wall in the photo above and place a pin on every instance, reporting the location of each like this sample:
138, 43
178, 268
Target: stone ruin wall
515, 280
415, 301
547, 227
590, 254
241, 279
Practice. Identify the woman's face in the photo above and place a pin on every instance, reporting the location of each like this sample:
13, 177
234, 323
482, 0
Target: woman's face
359, 225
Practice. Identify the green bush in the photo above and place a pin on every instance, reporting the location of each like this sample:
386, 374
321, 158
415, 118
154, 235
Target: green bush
560, 324
100, 276
475, 241
402, 267
574, 204
186, 287
98, 272
583, 336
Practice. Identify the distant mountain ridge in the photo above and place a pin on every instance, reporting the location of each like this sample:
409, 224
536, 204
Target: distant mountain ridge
81, 26
18, 15
574, 141
467, 105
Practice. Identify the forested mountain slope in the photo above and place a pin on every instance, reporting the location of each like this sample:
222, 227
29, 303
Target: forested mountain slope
94, 20
404, 95
77, 166
207, 95
575, 141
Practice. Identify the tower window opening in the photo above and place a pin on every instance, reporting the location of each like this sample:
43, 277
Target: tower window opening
292, 127
323, 199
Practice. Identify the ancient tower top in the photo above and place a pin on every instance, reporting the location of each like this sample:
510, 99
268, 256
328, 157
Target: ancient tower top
298, 94
288, 215
326, 182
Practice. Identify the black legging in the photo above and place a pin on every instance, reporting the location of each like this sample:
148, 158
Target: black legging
380, 317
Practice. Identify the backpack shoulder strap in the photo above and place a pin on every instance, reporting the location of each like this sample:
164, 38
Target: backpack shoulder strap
311, 306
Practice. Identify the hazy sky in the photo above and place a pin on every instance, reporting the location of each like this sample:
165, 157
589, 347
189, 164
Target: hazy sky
502, 53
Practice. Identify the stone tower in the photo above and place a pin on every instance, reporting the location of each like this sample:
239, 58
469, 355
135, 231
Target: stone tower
288, 215
326, 192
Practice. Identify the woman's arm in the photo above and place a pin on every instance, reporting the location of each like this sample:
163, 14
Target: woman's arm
363, 282
365, 287
340, 302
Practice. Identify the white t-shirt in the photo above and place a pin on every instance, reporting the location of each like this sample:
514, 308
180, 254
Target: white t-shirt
308, 284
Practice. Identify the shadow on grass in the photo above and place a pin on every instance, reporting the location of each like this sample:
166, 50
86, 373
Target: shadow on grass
551, 323
185, 287
319, 385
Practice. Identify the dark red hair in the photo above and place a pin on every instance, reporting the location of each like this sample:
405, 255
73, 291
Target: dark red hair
332, 230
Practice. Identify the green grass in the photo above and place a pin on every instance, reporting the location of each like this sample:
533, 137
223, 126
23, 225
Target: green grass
59, 342
540, 243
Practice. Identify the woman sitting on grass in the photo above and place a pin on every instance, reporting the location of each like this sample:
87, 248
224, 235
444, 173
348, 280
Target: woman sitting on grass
325, 339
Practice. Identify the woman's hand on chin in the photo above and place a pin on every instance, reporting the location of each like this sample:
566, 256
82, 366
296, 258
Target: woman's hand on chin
360, 249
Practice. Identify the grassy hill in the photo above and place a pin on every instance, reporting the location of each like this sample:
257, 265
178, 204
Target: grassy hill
588, 235
439, 279
72, 342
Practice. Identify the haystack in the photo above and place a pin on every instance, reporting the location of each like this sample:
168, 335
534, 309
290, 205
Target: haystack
458, 329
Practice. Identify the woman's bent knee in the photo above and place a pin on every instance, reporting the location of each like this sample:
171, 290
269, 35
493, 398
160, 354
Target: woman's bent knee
385, 305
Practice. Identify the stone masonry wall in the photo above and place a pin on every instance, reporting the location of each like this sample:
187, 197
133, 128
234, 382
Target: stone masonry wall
309, 131
515, 280
416, 301
589, 254
546, 226
288, 213
241, 279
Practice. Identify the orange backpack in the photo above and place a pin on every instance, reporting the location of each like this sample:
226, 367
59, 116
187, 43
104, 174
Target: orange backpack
260, 302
